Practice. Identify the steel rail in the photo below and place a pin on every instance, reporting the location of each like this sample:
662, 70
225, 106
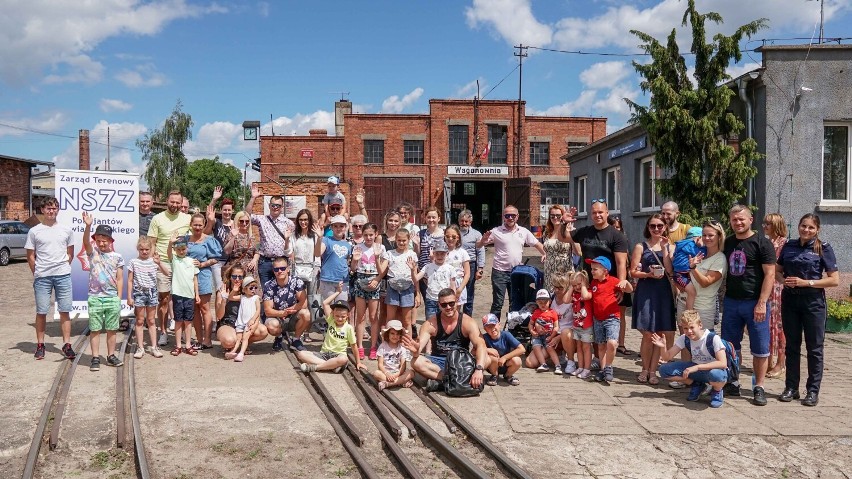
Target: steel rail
142, 471
59, 412
374, 399
120, 409
412, 431
451, 426
41, 426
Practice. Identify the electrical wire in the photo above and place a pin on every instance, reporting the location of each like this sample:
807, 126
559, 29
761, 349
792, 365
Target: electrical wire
501, 81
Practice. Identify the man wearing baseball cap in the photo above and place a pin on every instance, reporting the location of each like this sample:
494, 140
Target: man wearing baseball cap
504, 350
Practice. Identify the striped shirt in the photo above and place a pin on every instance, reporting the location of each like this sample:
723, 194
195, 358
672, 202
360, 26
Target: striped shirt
144, 273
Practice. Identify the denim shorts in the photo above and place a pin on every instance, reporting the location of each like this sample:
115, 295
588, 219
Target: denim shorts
184, 308
61, 285
585, 335
607, 330
739, 313
540, 340
431, 308
675, 370
145, 298
404, 299
440, 361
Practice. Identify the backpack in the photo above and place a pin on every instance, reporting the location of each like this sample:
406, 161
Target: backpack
731, 356
460, 367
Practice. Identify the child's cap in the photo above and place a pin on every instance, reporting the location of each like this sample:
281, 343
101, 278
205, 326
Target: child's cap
181, 242
693, 232
393, 324
337, 219
248, 280
340, 304
333, 180
335, 201
542, 294
490, 319
440, 245
601, 260
104, 230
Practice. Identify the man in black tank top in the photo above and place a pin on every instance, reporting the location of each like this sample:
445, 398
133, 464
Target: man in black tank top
449, 330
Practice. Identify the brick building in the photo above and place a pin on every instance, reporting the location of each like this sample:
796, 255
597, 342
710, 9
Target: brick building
434, 159
16, 187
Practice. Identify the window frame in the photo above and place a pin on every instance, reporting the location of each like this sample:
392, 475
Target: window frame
613, 202
582, 193
535, 148
456, 155
370, 152
420, 150
641, 188
823, 201
498, 144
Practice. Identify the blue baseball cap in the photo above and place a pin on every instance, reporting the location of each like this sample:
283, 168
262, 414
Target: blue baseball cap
601, 260
693, 232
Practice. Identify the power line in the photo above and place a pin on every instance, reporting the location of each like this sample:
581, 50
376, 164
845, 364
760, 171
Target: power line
501, 81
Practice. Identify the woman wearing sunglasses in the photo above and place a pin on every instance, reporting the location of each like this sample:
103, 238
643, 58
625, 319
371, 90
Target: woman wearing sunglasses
241, 247
557, 245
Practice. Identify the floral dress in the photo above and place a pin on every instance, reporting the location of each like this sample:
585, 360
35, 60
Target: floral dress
777, 341
243, 252
558, 260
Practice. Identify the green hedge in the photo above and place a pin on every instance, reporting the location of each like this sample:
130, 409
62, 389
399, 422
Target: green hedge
840, 310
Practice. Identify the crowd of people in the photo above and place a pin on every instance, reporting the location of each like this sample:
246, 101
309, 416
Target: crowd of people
241, 277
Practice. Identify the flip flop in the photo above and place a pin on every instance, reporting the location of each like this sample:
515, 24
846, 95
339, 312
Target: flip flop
176, 351
642, 377
624, 351
653, 380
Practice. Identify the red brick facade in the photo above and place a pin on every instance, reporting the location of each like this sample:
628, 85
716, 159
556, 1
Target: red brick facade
285, 158
14, 189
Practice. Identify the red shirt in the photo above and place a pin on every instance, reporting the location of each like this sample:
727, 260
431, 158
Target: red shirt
605, 298
546, 319
582, 311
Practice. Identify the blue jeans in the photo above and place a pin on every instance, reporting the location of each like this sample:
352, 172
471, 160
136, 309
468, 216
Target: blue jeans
431, 308
675, 370
500, 284
264, 270
739, 313
60, 285
468, 306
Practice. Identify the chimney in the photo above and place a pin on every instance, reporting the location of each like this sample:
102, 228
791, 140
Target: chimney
342, 107
318, 132
84, 150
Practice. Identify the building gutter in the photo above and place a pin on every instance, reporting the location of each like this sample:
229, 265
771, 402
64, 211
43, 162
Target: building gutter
741, 83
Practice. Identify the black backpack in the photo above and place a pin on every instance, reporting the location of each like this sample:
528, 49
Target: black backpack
730, 354
460, 368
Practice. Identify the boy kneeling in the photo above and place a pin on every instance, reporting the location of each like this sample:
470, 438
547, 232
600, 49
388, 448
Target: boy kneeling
705, 367
332, 355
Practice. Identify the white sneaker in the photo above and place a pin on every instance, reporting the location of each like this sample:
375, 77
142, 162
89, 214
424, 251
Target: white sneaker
163, 340
571, 368
543, 368
171, 325
577, 372
154, 351
140, 351
584, 373
596, 364
676, 385
557, 370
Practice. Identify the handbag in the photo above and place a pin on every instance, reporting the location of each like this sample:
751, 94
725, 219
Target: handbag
400, 284
460, 368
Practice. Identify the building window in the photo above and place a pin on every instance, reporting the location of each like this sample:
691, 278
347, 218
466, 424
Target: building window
458, 145
580, 188
374, 151
836, 167
412, 152
498, 136
612, 187
4, 200
576, 145
554, 194
647, 184
540, 153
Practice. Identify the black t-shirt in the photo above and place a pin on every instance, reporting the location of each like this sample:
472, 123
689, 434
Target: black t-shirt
145, 223
605, 242
746, 258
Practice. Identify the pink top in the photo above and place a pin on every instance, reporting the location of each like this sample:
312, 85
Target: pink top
509, 246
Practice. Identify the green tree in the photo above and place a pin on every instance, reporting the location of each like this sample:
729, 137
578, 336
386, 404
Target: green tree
205, 174
162, 150
688, 124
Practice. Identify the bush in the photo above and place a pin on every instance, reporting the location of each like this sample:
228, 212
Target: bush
840, 310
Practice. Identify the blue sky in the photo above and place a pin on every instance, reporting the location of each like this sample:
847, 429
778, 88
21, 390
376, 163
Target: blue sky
70, 65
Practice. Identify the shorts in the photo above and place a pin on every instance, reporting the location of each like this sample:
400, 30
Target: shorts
164, 281
585, 335
540, 340
184, 308
739, 313
404, 299
682, 278
326, 355
60, 285
327, 288
431, 308
440, 361
607, 329
104, 313
145, 298
362, 293
502, 370
216, 269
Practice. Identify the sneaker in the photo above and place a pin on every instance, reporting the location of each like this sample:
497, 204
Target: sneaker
112, 360
717, 398
542, 369
491, 381
732, 389
171, 325
600, 377
608, 374
576, 372
308, 368
96, 364
571, 368
433, 385
676, 385
154, 351
68, 351
373, 354
557, 371
584, 373
140, 351
278, 344
240, 357
298, 346
39, 352
163, 340
596, 364
306, 338
707, 390
759, 398
695, 391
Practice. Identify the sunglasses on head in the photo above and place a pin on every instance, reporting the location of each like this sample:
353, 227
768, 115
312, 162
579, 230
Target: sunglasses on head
279, 269
275, 206
449, 304
236, 276
599, 200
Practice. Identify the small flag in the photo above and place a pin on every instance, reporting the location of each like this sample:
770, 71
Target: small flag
487, 149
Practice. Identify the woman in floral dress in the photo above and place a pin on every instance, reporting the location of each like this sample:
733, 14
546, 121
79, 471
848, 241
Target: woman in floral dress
241, 248
776, 230
558, 246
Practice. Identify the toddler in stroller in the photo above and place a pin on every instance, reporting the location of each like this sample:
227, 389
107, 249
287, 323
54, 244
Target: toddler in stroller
524, 282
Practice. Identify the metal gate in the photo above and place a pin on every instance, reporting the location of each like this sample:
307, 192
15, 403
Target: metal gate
383, 194
518, 195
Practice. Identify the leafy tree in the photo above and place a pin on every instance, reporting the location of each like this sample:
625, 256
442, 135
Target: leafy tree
688, 124
205, 174
162, 150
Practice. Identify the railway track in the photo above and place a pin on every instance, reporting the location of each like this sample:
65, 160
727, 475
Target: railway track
395, 420
53, 411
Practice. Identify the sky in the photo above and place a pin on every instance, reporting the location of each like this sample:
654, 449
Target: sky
122, 65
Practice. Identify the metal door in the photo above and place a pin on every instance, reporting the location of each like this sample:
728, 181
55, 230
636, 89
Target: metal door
382, 194
518, 195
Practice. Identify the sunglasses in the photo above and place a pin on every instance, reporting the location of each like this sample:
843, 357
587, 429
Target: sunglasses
450, 304
509, 216
236, 276
334, 207
357, 226
556, 216
275, 206
599, 200
245, 222
279, 269
252, 287
303, 219
656, 226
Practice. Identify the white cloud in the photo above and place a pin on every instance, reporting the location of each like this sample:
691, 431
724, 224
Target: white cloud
469, 89
214, 138
513, 20
300, 124
109, 105
605, 74
145, 75
738, 70
49, 122
123, 154
395, 104
61, 35
580, 107
613, 103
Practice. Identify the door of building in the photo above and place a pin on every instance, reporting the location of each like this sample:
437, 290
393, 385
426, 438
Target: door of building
384, 194
483, 198
518, 195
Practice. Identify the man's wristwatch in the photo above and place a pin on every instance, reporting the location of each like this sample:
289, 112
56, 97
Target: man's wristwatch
480, 367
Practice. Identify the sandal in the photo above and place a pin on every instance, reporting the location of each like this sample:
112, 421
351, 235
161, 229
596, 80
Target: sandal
642, 377
491, 381
513, 380
176, 351
653, 380
230, 355
190, 351
124, 325
621, 349
382, 385
408, 384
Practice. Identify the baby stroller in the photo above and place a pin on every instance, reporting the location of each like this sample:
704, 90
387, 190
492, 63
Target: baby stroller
524, 282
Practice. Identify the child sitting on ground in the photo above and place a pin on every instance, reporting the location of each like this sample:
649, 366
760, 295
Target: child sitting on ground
582, 323
394, 360
439, 275
606, 313
106, 279
542, 329
689, 247
705, 367
248, 319
505, 351
332, 355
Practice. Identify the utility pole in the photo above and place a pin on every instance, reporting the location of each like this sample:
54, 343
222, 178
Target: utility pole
521, 54
107, 158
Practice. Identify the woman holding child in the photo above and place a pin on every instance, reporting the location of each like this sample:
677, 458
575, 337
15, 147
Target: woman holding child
707, 271
653, 302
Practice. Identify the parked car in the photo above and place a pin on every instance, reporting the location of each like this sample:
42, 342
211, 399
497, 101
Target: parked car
13, 237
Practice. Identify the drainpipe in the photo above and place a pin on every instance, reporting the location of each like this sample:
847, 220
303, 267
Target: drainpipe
741, 88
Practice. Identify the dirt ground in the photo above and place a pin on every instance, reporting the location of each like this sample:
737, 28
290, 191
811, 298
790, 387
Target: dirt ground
206, 417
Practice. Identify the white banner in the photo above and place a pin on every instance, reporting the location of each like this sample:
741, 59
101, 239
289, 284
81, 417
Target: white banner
112, 198
478, 170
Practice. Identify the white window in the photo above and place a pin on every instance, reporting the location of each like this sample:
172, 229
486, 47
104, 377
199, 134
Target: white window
836, 164
580, 188
612, 188
647, 184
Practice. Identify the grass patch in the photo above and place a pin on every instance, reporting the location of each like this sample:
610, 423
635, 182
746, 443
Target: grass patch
110, 459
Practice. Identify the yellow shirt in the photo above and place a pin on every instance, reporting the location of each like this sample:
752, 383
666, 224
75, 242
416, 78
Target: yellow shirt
678, 233
163, 225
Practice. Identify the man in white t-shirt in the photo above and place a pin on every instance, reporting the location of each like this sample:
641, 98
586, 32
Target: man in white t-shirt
50, 250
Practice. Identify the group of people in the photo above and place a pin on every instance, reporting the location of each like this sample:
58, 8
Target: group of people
342, 273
